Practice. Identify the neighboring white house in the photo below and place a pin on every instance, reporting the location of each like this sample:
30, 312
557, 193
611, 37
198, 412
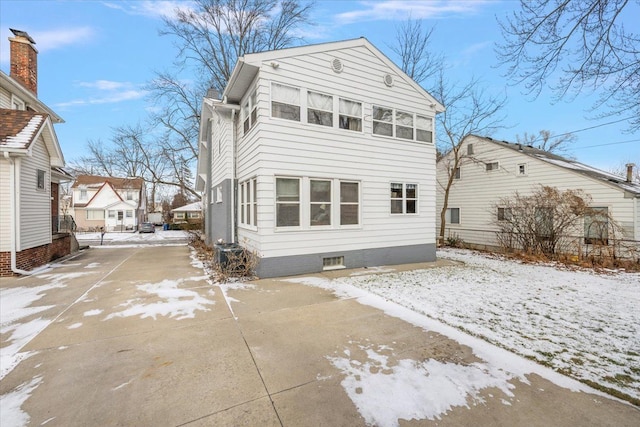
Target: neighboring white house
31, 163
491, 170
117, 204
191, 213
320, 157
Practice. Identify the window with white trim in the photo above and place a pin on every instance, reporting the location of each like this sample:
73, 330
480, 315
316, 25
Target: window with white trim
350, 117
129, 214
94, 214
404, 198
382, 121
250, 112
319, 109
493, 166
320, 202
452, 216
404, 125
83, 193
424, 129
112, 214
522, 169
17, 103
349, 203
247, 210
285, 102
287, 202
41, 177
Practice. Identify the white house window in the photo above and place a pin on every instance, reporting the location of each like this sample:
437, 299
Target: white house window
112, 214
41, 175
285, 102
492, 166
456, 173
17, 104
350, 116
129, 195
404, 125
424, 129
469, 149
320, 202
319, 109
382, 121
452, 216
504, 214
287, 202
93, 214
83, 194
404, 198
349, 203
596, 227
218, 190
178, 215
522, 169
129, 214
250, 112
193, 215
248, 208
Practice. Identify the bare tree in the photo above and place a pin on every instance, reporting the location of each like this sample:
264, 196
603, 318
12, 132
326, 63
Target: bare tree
585, 42
210, 37
417, 59
545, 140
623, 170
470, 110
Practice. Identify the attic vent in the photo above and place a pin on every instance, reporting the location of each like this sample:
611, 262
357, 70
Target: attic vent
336, 65
388, 80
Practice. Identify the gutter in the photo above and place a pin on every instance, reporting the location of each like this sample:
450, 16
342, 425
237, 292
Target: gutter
234, 184
14, 215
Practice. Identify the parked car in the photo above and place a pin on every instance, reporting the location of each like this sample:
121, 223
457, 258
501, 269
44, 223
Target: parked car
147, 227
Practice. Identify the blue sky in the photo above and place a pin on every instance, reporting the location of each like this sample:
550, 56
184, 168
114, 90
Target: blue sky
95, 58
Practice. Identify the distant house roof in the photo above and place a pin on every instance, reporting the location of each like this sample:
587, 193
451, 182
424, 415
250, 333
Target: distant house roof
96, 181
20, 128
191, 207
572, 165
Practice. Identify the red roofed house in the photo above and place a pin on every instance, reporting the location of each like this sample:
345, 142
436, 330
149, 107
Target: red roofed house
117, 204
31, 164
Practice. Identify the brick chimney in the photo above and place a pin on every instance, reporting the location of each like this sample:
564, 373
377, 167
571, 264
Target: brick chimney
24, 60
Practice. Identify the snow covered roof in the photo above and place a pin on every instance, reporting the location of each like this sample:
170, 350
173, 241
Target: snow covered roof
572, 165
191, 207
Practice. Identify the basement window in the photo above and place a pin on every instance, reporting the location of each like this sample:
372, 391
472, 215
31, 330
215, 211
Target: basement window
333, 263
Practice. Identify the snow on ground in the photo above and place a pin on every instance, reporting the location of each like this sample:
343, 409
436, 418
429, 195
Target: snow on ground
581, 323
129, 236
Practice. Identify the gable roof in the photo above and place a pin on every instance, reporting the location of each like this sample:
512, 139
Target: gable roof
19, 129
191, 207
248, 65
97, 181
570, 165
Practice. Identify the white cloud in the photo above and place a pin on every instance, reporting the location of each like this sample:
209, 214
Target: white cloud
401, 9
105, 92
151, 8
59, 38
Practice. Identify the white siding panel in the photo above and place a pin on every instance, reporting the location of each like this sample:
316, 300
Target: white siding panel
35, 204
5, 98
5, 206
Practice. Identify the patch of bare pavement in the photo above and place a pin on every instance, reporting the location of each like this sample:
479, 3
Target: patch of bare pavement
138, 335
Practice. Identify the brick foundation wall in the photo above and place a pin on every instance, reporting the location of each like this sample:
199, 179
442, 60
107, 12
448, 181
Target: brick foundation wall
36, 257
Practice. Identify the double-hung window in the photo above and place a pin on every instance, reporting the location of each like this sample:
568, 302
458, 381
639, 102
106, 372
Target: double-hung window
319, 109
349, 203
404, 198
320, 200
250, 112
382, 121
287, 202
424, 129
285, 102
350, 117
248, 209
404, 125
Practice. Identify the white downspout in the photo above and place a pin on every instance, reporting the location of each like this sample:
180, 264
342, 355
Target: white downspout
233, 176
14, 216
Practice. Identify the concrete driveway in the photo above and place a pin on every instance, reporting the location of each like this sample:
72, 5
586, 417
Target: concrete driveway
138, 336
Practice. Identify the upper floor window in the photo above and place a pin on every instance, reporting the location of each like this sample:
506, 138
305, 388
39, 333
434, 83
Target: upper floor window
469, 149
350, 117
404, 198
250, 112
522, 169
41, 176
424, 129
492, 166
319, 109
17, 103
285, 102
401, 124
382, 121
404, 125
83, 194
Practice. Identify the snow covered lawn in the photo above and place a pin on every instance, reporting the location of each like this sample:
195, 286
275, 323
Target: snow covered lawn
581, 323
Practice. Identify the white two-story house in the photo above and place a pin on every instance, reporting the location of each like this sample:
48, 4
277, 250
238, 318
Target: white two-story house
320, 157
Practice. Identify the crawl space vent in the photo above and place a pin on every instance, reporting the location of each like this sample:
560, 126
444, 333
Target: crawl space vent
388, 80
336, 65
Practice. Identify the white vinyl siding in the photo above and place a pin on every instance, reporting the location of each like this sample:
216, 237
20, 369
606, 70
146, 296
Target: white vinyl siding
5, 206
308, 151
35, 204
480, 191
